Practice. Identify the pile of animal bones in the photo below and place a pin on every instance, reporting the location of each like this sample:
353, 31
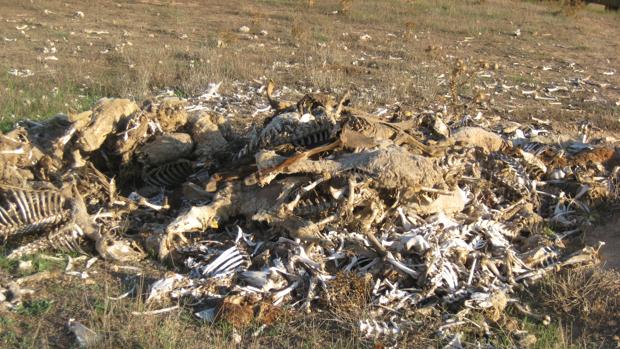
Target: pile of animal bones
427, 209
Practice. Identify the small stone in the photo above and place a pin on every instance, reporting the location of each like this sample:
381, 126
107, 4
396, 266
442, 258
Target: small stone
263, 33
236, 337
78, 14
365, 37
25, 266
244, 29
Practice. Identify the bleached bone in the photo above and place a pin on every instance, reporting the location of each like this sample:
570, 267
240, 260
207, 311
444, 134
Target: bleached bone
371, 328
278, 297
141, 200
400, 266
156, 312
163, 287
226, 263
310, 295
261, 279
117, 249
208, 314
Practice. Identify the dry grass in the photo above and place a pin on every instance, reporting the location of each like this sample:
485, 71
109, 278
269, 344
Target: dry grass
587, 301
184, 46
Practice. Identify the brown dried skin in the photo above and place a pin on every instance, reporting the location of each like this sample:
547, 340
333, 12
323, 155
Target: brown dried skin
16, 155
52, 135
206, 134
277, 105
234, 199
236, 311
165, 148
267, 314
106, 115
391, 167
380, 129
16, 149
12, 175
307, 104
170, 113
451, 202
596, 156
479, 137
131, 133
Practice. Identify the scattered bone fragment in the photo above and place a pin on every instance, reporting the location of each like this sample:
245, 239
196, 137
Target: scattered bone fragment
119, 250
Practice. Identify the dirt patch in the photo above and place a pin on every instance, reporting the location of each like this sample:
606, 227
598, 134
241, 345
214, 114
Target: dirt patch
609, 233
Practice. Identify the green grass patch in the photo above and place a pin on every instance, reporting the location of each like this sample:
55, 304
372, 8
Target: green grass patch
30, 98
34, 307
6, 264
41, 264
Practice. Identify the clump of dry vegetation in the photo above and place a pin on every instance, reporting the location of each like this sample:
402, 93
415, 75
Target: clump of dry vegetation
585, 299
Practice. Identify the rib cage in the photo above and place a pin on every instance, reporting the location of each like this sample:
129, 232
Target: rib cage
168, 175
315, 207
66, 238
289, 129
510, 174
24, 211
319, 133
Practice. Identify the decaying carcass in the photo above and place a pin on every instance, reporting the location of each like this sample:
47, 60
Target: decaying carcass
427, 211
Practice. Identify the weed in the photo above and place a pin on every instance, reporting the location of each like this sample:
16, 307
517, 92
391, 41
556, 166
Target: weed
8, 265
34, 307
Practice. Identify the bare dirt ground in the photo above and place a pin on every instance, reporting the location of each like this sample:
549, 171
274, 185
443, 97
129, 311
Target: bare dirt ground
524, 59
610, 234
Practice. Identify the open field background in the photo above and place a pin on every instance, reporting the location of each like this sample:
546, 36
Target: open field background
388, 53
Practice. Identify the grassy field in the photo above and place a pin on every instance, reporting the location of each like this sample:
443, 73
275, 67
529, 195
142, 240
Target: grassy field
61, 56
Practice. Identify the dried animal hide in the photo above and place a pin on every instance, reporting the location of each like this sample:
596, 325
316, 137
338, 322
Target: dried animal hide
15, 148
206, 134
392, 168
479, 137
105, 116
169, 114
165, 148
